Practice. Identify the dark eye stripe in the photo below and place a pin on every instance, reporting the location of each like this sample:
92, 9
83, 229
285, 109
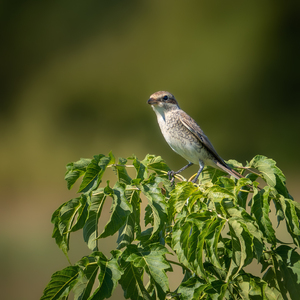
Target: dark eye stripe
172, 101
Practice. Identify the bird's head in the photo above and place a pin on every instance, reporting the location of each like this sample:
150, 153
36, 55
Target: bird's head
163, 100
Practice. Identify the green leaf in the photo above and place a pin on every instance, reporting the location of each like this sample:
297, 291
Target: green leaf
61, 283
193, 239
192, 288
226, 183
217, 290
157, 164
289, 264
260, 208
67, 215
241, 247
90, 229
65, 221
270, 173
232, 163
149, 218
132, 282
156, 201
121, 171
249, 223
141, 169
187, 218
120, 210
86, 278
251, 287
60, 239
132, 224
109, 274
241, 191
188, 239
152, 260
180, 196
81, 214
212, 240
75, 170
94, 172
217, 194
176, 242
291, 218
210, 175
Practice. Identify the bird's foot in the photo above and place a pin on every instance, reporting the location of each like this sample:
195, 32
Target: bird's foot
171, 176
194, 180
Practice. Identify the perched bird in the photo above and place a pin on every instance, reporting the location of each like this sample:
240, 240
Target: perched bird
185, 136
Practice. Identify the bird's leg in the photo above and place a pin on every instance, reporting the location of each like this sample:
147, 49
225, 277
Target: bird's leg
201, 164
171, 174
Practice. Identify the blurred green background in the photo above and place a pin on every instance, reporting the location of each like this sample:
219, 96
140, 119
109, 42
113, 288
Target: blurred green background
75, 78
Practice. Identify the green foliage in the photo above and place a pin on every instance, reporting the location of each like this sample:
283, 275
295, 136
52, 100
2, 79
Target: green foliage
213, 229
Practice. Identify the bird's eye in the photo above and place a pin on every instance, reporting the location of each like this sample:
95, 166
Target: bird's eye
165, 97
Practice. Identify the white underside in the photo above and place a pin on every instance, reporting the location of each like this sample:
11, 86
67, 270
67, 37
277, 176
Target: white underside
190, 151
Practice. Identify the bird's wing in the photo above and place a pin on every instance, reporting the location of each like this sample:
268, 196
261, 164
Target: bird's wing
191, 125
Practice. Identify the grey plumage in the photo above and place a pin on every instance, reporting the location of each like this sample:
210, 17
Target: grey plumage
185, 136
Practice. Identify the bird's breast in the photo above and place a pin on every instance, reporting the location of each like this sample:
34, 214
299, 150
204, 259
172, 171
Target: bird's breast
181, 139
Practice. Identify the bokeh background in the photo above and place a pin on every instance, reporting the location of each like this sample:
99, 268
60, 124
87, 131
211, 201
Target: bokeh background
75, 78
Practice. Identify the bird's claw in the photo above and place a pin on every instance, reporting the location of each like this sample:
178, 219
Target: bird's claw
171, 176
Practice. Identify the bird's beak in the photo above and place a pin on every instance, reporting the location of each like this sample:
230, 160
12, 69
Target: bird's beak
152, 101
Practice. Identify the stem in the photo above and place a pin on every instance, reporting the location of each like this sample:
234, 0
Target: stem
248, 169
178, 264
118, 165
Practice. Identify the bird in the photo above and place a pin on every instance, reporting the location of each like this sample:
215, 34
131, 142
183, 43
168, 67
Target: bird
185, 136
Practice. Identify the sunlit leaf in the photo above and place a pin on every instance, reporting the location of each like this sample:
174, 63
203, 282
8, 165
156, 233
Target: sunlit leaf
180, 196
291, 218
241, 191
248, 222
212, 239
217, 193
210, 175
260, 208
242, 244
157, 164
270, 173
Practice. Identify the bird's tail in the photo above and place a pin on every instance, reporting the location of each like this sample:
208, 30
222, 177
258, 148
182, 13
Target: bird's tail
231, 172
228, 170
